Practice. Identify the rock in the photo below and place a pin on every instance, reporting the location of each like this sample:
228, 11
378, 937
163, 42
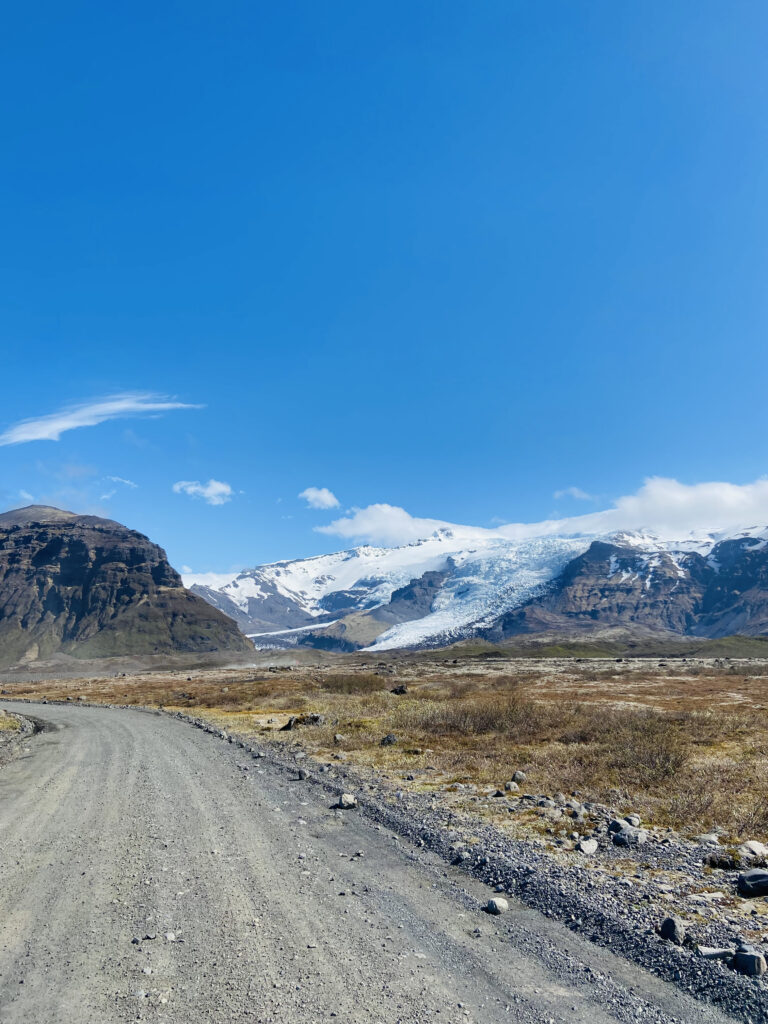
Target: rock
716, 953
292, 722
314, 719
546, 802
511, 787
753, 850
389, 740
587, 846
709, 839
753, 882
747, 960
338, 738
633, 820
617, 824
399, 691
630, 837
519, 776
497, 905
673, 929
347, 801
498, 793
90, 585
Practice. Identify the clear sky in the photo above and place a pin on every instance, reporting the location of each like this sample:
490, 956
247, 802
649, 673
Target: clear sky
485, 262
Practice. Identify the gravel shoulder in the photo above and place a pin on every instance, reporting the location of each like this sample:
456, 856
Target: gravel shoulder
252, 899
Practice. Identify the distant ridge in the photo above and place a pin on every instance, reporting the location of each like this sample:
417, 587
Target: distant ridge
453, 586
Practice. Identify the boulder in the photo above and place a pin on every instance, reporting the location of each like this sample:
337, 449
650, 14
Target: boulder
497, 905
753, 850
511, 787
723, 953
753, 883
630, 837
673, 929
519, 776
347, 801
389, 740
748, 960
587, 846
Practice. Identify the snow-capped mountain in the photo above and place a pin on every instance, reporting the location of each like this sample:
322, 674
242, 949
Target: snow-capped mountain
464, 581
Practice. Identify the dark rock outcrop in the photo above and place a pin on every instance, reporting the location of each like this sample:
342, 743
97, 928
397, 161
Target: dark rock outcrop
91, 588
683, 593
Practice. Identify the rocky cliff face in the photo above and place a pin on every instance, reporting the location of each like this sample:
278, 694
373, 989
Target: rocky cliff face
91, 588
721, 594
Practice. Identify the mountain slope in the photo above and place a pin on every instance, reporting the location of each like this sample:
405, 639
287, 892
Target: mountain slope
457, 584
90, 588
716, 594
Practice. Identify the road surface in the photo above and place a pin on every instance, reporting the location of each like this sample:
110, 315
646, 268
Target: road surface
254, 901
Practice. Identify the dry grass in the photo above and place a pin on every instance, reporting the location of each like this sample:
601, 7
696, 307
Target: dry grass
681, 743
8, 723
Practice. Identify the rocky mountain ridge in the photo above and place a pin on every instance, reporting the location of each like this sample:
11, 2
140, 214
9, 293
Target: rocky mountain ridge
707, 585
89, 587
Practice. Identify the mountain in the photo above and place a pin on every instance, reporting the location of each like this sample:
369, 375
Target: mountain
89, 587
457, 584
714, 594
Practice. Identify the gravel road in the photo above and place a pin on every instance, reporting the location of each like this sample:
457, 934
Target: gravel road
253, 900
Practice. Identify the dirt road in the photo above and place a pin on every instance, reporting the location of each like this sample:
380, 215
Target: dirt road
252, 900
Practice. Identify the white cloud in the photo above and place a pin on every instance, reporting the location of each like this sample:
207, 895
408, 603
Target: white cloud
662, 506
384, 524
26, 496
107, 496
573, 492
320, 497
215, 492
89, 414
122, 480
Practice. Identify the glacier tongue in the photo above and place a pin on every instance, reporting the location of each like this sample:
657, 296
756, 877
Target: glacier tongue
484, 585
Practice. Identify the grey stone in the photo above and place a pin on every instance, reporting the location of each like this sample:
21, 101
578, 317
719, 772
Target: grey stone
754, 882
716, 953
497, 905
673, 929
347, 801
511, 787
747, 960
389, 740
519, 776
630, 837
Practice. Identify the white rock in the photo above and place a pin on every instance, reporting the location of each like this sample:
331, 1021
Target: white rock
497, 905
715, 953
587, 846
753, 850
347, 801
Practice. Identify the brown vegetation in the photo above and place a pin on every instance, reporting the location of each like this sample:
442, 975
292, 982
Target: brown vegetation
684, 743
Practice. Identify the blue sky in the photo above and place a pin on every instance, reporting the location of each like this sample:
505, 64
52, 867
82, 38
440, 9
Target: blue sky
453, 258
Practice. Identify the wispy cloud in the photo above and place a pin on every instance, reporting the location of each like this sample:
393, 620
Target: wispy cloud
574, 492
662, 506
122, 480
215, 492
319, 497
90, 414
